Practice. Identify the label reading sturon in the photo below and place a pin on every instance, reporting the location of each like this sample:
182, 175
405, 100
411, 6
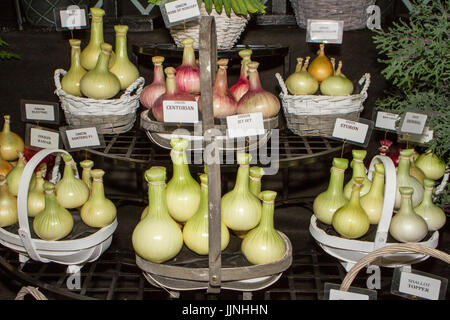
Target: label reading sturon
39, 112
386, 120
44, 139
420, 286
180, 111
327, 31
82, 137
245, 125
345, 295
413, 123
182, 10
350, 130
73, 18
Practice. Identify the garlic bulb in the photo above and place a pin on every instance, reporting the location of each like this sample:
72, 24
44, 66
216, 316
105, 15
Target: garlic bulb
36, 196
8, 205
404, 179
15, 174
433, 215
372, 202
359, 170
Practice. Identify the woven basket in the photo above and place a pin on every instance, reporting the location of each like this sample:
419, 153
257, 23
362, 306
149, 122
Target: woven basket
315, 115
352, 12
228, 29
110, 116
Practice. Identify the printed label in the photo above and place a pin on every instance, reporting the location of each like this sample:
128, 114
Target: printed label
350, 130
73, 18
413, 123
245, 125
345, 295
325, 31
386, 120
39, 112
420, 286
44, 139
182, 10
82, 137
180, 111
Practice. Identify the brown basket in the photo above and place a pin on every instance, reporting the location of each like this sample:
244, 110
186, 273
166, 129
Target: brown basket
352, 12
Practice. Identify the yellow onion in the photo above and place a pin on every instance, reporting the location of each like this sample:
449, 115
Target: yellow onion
8, 205
157, 237
301, 82
36, 196
10, 142
263, 244
71, 192
183, 192
372, 202
415, 171
406, 225
70, 83
337, 85
256, 173
431, 165
404, 179
321, 68
351, 221
5, 166
433, 215
15, 174
98, 211
359, 170
86, 174
241, 209
196, 229
326, 203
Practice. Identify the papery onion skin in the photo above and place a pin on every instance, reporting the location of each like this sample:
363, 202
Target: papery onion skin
337, 85
36, 196
153, 91
5, 166
372, 202
321, 68
404, 179
70, 83
241, 86
256, 173
301, 82
13, 177
359, 170
433, 215
431, 165
10, 142
406, 225
188, 73
8, 205
86, 174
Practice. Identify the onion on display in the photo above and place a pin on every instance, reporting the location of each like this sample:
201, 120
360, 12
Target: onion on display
256, 174
431, 165
157, 237
404, 179
241, 86
321, 67
241, 209
98, 211
153, 91
406, 225
10, 142
434, 216
5, 166
86, 173
359, 170
36, 195
372, 202
183, 192
195, 231
263, 244
329, 201
70, 83
351, 221
71, 192
257, 99
337, 85
188, 73
8, 205
301, 82
415, 171
15, 174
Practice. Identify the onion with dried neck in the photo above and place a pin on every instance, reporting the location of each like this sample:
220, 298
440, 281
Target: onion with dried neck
359, 170
36, 196
431, 165
415, 171
5, 166
153, 91
257, 99
433, 215
301, 82
15, 174
241, 86
188, 73
86, 174
372, 202
404, 179
321, 67
70, 83
10, 142
337, 85
8, 205
256, 173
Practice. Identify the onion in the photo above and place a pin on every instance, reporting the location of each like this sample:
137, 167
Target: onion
257, 99
183, 192
372, 202
351, 221
241, 86
5, 166
195, 231
70, 83
36, 196
263, 244
321, 68
86, 174
224, 104
10, 142
100, 83
406, 225
98, 211
157, 237
153, 91
433, 215
15, 174
188, 73
431, 165
337, 85
256, 173
416, 172
404, 179
8, 205
301, 81
326, 203
71, 192
359, 170
171, 94
241, 210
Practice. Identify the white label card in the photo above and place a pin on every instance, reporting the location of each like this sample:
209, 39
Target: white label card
386, 120
245, 125
82, 137
44, 139
182, 10
180, 111
420, 286
345, 295
413, 123
73, 18
39, 112
425, 137
327, 31
350, 130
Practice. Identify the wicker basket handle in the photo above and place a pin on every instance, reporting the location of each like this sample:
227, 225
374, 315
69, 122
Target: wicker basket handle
396, 248
366, 80
281, 83
59, 73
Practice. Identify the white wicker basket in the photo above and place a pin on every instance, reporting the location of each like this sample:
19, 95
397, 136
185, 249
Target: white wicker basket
315, 115
111, 116
74, 253
228, 29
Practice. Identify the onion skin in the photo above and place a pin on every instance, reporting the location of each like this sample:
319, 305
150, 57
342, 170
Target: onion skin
70, 83
36, 196
153, 91
359, 170
404, 179
13, 177
241, 86
5, 166
431, 213
372, 202
8, 205
86, 174
416, 172
321, 67
337, 85
431, 165
302, 82
188, 73
10, 142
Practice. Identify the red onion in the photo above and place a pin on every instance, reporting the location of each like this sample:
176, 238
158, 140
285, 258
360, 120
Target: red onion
257, 99
171, 94
188, 74
241, 86
48, 160
154, 90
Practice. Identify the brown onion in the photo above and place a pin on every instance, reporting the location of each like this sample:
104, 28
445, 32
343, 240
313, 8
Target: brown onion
321, 68
153, 91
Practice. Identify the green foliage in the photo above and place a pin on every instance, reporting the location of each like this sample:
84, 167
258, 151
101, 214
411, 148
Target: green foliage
5, 54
